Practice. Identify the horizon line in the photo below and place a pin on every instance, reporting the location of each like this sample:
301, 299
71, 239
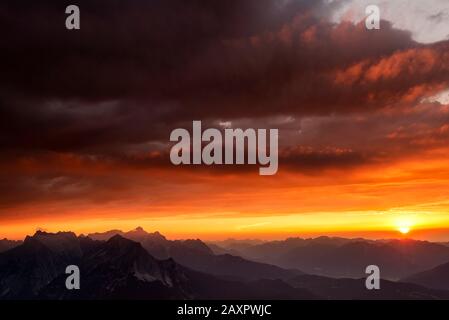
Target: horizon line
382, 235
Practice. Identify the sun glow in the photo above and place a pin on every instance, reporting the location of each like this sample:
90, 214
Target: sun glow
404, 230
404, 224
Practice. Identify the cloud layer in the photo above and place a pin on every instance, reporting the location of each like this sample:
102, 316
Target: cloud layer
86, 115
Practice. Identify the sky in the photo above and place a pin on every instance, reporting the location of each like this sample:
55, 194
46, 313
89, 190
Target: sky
363, 117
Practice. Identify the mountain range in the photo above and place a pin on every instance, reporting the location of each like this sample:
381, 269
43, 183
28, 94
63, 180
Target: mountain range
118, 268
340, 257
437, 278
142, 265
6, 244
196, 255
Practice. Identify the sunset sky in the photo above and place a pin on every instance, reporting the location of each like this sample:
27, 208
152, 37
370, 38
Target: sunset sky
363, 117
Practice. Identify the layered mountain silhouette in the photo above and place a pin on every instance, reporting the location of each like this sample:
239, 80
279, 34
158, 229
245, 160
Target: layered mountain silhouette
355, 289
339, 257
196, 255
437, 278
25, 269
118, 268
6, 244
148, 266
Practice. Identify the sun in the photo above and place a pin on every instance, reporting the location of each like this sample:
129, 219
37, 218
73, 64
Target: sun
404, 224
404, 230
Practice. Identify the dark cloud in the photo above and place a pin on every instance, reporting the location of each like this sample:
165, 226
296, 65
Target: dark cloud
228, 58
110, 93
124, 47
137, 69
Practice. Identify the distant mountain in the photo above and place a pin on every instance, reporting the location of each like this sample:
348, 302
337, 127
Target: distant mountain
104, 236
117, 269
275, 249
120, 268
220, 250
6, 244
155, 243
237, 244
25, 269
354, 289
339, 257
437, 278
196, 255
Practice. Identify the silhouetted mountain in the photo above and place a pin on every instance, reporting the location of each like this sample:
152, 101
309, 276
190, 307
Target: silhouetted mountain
210, 287
348, 260
237, 244
437, 278
6, 244
339, 257
65, 244
117, 269
104, 236
25, 269
196, 255
273, 250
355, 289
155, 243
121, 268
220, 250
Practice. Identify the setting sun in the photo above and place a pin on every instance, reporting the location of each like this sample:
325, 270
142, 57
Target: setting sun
404, 230
405, 223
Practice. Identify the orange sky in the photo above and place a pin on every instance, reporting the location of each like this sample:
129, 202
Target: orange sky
363, 120
371, 201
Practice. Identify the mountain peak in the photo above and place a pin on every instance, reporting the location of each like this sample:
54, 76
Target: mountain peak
139, 234
60, 242
117, 238
197, 244
67, 234
139, 231
104, 236
122, 242
119, 245
6, 244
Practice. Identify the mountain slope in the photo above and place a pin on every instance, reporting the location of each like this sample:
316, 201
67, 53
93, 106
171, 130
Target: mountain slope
6, 244
25, 269
437, 278
354, 289
122, 269
339, 257
196, 255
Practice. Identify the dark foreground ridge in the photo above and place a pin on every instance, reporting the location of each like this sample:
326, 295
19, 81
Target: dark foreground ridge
137, 265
